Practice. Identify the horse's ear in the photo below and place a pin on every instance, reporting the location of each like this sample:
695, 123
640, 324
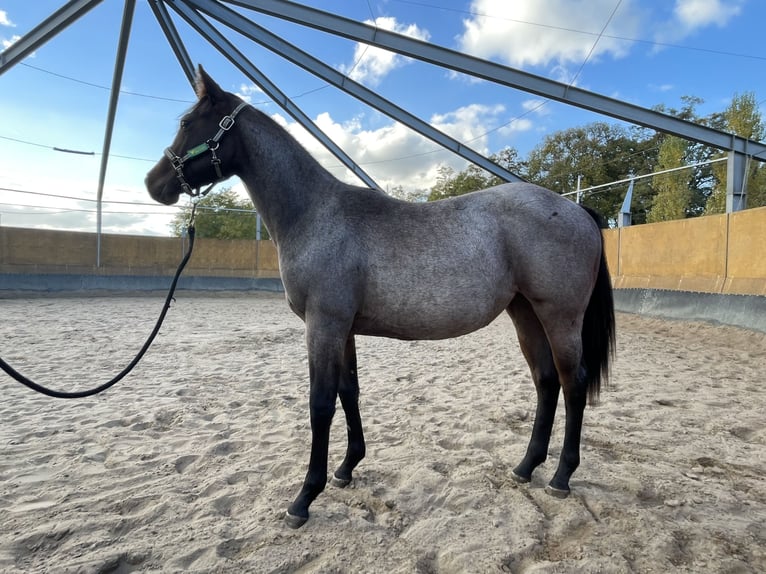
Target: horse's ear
206, 86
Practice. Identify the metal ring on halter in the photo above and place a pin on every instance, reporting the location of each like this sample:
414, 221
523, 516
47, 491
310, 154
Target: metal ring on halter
177, 164
210, 145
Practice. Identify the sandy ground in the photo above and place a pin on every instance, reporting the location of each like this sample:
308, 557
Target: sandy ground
187, 465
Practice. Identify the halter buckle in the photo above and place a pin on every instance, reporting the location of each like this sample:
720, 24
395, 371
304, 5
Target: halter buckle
226, 123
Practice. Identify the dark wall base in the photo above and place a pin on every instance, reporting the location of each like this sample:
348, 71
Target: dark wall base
747, 311
72, 283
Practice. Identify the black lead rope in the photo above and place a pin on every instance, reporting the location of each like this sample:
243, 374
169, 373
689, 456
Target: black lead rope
80, 394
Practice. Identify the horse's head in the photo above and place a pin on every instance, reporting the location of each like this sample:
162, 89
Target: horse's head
201, 152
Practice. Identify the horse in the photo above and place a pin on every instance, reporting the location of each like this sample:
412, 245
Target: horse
355, 261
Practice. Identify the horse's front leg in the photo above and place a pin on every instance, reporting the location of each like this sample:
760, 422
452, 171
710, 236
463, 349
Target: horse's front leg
326, 350
349, 398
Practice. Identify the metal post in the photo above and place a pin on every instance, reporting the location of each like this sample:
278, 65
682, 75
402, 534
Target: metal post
578, 197
626, 218
257, 243
119, 65
40, 34
174, 39
736, 193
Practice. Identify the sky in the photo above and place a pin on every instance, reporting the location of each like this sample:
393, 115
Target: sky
646, 52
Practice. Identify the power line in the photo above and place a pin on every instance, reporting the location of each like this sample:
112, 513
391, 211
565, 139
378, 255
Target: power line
595, 43
78, 152
132, 203
107, 88
85, 199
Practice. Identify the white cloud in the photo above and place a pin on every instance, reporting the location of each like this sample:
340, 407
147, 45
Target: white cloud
535, 106
394, 155
4, 20
693, 14
370, 65
544, 32
469, 124
247, 91
661, 87
7, 43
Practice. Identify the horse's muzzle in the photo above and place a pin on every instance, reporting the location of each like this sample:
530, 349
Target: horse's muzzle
166, 194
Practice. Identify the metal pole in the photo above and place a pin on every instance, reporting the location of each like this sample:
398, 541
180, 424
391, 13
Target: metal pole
579, 192
174, 39
119, 65
47, 29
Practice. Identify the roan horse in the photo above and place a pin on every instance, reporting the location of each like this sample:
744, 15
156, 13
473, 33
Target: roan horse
357, 262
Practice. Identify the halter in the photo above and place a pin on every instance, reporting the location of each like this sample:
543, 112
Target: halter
210, 145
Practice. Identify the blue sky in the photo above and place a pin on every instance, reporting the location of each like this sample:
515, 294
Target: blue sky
647, 53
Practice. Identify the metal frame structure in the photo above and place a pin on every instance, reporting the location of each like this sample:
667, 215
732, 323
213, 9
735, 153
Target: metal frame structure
198, 12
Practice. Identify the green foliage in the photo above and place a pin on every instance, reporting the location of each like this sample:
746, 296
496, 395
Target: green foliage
598, 153
601, 153
756, 189
673, 193
220, 215
399, 192
473, 178
743, 118
450, 184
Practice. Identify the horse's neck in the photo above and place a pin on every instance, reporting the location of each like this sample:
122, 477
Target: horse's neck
285, 183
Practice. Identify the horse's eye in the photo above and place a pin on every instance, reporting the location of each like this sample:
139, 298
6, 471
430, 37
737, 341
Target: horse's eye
184, 124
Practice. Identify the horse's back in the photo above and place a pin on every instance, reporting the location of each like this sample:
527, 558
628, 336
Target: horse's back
449, 267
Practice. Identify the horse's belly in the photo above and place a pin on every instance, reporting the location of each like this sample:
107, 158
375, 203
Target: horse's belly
416, 317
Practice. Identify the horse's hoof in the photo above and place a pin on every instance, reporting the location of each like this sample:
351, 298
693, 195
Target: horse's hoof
295, 521
340, 482
557, 492
518, 478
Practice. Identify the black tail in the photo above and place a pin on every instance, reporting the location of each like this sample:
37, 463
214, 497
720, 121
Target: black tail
598, 331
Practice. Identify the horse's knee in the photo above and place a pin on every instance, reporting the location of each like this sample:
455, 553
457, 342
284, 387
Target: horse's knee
321, 413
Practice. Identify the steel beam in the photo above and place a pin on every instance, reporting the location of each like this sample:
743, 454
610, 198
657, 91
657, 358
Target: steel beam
497, 73
119, 66
736, 190
44, 31
297, 56
174, 39
254, 74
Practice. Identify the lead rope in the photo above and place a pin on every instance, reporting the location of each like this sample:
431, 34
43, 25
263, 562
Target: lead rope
80, 394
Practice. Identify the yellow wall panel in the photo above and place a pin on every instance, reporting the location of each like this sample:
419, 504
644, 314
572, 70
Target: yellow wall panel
719, 253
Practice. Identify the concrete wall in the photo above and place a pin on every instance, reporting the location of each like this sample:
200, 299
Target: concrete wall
715, 254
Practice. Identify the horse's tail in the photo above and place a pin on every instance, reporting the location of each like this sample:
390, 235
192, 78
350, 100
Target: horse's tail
598, 330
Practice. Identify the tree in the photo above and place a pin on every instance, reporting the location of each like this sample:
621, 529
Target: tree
743, 118
414, 196
673, 193
473, 178
220, 215
450, 184
597, 153
756, 189
700, 179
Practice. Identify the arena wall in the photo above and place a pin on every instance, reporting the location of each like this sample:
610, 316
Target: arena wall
723, 254
719, 254
40, 252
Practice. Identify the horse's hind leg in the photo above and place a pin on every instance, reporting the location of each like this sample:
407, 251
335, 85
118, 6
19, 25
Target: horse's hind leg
349, 398
565, 336
536, 349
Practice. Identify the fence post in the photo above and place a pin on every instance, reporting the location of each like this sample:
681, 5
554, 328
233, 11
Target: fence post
626, 218
736, 193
